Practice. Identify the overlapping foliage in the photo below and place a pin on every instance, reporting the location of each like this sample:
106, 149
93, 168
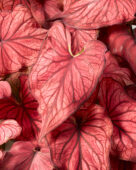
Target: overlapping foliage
67, 84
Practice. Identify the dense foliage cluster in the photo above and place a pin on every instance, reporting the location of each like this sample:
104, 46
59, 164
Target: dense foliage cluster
68, 85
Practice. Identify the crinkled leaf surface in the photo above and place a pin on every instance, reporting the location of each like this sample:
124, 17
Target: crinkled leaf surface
98, 13
11, 4
122, 111
27, 155
23, 109
112, 69
20, 38
83, 141
60, 81
5, 89
9, 129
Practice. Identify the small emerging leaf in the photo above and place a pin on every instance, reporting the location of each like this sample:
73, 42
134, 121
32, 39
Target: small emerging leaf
9, 129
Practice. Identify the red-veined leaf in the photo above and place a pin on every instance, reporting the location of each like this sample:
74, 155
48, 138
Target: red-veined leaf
112, 69
23, 109
67, 3
83, 141
81, 37
9, 129
19, 38
92, 14
122, 111
122, 43
60, 80
52, 8
27, 155
11, 4
5, 89
37, 10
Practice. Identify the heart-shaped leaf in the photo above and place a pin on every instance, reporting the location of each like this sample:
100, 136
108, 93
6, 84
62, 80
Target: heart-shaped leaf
19, 38
27, 155
122, 111
9, 129
23, 109
60, 80
83, 141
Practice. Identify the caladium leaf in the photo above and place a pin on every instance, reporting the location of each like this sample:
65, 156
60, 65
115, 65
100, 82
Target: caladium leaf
122, 43
37, 10
9, 129
112, 69
89, 14
5, 89
19, 38
81, 37
52, 8
67, 3
11, 4
122, 111
27, 155
22, 108
83, 141
60, 80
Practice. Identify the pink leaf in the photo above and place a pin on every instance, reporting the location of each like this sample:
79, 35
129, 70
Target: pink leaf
81, 37
9, 129
2, 154
22, 108
113, 70
94, 14
5, 89
27, 155
19, 38
11, 4
122, 43
83, 141
52, 8
37, 10
122, 111
60, 80
67, 3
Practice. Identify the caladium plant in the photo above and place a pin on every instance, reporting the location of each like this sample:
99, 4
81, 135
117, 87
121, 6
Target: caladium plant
67, 84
